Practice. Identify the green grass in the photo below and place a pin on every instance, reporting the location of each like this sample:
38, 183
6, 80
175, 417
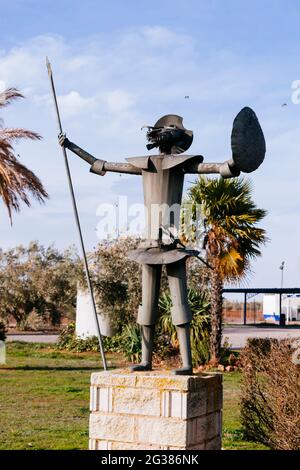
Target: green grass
44, 399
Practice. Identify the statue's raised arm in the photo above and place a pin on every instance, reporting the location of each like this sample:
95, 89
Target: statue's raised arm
98, 166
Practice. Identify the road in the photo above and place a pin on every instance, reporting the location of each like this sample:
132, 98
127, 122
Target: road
33, 338
236, 335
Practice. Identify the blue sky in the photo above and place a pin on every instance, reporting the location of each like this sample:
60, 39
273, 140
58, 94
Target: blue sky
121, 64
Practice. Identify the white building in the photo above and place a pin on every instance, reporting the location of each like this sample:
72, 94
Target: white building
290, 306
85, 320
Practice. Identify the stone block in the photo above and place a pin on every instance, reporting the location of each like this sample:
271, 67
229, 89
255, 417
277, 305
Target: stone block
200, 446
213, 444
174, 404
197, 404
121, 378
136, 401
214, 396
111, 427
131, 446
161, 431
97, 444
104, 399
93, 398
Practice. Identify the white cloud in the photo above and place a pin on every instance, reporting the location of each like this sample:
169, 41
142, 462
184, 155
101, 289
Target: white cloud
165, 38
119, 100
2, 86
73, 104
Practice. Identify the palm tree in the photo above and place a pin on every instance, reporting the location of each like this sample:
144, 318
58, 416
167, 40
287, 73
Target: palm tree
231, 238
17, 183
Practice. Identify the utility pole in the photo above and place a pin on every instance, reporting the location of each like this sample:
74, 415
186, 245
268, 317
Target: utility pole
281, 315
281, 267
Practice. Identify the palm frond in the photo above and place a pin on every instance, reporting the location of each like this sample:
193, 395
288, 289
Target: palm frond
230, 217
9, 95
17, 183
11, 134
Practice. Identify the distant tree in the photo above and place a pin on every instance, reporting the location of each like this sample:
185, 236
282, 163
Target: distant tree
40, 280
17, 182
116, 280
228, 218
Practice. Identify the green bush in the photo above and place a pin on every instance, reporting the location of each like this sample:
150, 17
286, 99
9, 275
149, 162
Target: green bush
200, 325
270, 393
131, 344
70, 342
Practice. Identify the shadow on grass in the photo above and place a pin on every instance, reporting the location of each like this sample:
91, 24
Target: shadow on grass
58, 368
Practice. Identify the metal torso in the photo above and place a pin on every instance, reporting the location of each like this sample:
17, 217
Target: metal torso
163, 178
162, 198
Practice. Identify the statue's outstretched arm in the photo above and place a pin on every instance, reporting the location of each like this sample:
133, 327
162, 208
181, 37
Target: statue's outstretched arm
226, 169
98, 166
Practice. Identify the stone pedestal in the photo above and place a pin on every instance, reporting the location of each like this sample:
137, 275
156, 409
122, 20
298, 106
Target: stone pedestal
155, 410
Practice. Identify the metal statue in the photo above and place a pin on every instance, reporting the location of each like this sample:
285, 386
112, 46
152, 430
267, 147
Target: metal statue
163, 177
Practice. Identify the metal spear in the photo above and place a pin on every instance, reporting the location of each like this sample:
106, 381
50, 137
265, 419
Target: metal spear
87, 272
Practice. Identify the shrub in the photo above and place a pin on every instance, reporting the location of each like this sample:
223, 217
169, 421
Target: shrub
34, 322
70, 342
3, 331
270, 399
227, 356
131, 344
200, 325
66, 336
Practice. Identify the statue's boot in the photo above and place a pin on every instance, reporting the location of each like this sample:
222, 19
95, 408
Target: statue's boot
147, 346
183, 334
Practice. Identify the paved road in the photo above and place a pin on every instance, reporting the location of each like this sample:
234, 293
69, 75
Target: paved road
236, 335
29, 338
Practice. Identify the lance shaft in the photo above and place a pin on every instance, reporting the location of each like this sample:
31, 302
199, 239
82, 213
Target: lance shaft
87, 272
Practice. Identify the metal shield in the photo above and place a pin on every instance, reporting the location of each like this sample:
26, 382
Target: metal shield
247, 141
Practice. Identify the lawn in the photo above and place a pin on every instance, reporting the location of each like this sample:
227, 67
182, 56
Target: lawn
44, 399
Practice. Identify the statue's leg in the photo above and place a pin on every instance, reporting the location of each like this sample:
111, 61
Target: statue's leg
181, 313
148, 313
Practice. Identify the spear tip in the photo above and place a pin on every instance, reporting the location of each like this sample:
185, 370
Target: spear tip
48, 65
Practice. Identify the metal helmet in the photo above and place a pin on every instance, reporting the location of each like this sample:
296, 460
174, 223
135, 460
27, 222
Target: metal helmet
247, 141
169, 135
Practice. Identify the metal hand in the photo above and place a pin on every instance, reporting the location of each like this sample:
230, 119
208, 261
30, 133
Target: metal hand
63, 141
